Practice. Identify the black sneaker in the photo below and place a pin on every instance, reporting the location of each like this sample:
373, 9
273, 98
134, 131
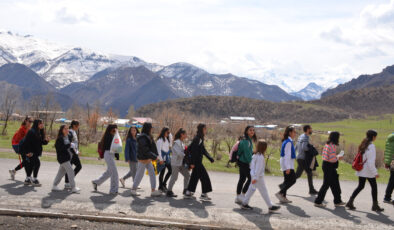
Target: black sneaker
274, 208
246, 207
94, 186
27, 181
171, 194
387, 201
35, 183
205, 197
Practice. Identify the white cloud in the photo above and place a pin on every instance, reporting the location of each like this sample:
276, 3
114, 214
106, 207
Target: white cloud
64, 16
379, 15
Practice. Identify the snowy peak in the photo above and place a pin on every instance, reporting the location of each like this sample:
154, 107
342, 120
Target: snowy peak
311, 92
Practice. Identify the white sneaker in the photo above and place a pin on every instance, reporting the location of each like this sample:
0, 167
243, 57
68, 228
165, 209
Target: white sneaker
238, 200
156, 193
76, 190
122, 182
12, 174
134, 192
67, 186
280, 197
56, 188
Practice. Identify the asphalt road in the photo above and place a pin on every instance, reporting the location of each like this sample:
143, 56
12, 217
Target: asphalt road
222, 211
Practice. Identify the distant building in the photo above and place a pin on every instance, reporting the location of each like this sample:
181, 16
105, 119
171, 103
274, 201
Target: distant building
241, 119
141, 120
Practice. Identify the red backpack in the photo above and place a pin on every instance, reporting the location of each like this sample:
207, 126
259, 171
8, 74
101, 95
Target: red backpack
358, 162
100, 150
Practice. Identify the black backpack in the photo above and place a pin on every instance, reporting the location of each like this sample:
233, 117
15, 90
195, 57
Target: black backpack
234, 156
187, 160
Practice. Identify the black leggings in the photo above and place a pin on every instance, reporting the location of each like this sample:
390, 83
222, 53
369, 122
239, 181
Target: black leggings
244, 177
330, 180
289, 180
361, 185
21, 165
390, 186
33, 165
162, 172
78, 166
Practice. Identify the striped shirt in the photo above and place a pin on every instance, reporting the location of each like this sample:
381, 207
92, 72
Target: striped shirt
330, 153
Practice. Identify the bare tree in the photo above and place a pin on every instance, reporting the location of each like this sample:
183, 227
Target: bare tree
8, 107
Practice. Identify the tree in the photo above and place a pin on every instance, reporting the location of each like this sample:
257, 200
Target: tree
8, 106
130, 112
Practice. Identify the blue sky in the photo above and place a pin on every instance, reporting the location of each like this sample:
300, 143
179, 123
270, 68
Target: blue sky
280, 42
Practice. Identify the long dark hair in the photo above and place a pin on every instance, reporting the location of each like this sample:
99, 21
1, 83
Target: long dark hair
27, 119
107, 133
129, 132
333, 138
60, 133
179, 133
254, 137
367, 141
39, 133
163, 132
287, 132
200, 130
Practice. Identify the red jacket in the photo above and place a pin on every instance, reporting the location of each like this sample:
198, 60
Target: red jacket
19, 135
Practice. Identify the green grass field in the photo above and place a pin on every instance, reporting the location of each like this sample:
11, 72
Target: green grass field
352, 131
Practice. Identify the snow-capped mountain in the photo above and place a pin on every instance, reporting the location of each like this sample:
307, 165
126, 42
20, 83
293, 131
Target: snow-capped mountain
311, 92
60, 65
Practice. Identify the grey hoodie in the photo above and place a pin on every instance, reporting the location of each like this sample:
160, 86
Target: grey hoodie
302, 146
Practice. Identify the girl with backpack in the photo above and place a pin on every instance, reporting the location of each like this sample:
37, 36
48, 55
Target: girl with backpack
16, 139
163, 144
34, 141
287, 157
199, 172
368, 172
257, 169
245, 153
73, 137
64, 155
331, 176
178, 154
146, 153
109, 157
130, 154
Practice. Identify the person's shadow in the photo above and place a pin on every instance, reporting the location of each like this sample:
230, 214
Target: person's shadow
378, 217
344, 214
256, 216
54, 197
139, 205
296, 210
17, 188
103, 201
198, 208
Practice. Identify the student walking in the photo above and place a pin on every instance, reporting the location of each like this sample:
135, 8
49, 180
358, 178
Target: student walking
257, 169
109, 157
287, 157
389, 164
178, 154
35, 139
16, 139
64, 155
73, 137
146, 153
199, 172
163, 144
245, 152
302, 150
368, 172
331, 176
130, 154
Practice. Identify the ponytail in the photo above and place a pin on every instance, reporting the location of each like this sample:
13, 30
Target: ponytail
367, 141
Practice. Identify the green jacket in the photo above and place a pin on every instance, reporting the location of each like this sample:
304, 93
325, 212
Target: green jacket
389, 151
245, 150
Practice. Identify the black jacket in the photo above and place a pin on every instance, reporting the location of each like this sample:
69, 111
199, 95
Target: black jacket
197, 150
309, 155
62, 153
34, 142
146, 148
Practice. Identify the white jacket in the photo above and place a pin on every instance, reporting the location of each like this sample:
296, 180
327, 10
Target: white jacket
287, 162
162, 145
178, 153
257, 166
369, 169
74, 141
